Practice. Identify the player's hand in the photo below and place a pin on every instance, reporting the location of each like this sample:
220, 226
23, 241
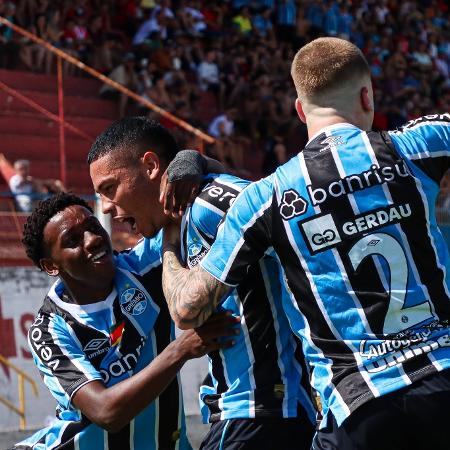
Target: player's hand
178, 195
216, 333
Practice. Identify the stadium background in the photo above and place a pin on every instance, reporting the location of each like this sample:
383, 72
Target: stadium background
220, 67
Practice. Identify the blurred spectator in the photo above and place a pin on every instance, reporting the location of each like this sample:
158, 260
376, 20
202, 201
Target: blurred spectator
158, 94
208, 72
156, 23
28, 190
242, 21
241, 51
54, 30
80, 35
126, 76
442, 64
193, 19
222, 126
165, 8
228, 147
331, 19
345, 22
286, 19
262, 24
9, 48
23, 186
422, 57
208, 76
33, 54
101, 58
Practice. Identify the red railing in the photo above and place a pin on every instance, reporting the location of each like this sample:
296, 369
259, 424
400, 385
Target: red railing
11, 250
61, 55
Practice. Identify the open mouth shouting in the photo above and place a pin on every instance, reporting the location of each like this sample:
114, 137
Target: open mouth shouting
128, 220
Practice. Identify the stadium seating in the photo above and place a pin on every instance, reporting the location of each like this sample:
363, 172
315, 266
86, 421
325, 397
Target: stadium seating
28, 134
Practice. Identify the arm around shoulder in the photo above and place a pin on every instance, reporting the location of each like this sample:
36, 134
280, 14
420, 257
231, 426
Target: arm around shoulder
192, 295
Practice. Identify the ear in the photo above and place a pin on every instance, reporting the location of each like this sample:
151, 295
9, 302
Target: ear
366, 99
299, 109
48, 265
152, 163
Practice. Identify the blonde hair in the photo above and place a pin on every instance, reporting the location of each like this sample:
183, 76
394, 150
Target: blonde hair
326, 64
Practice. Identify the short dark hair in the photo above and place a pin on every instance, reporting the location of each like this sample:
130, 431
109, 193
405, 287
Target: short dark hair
131, 137
33, 230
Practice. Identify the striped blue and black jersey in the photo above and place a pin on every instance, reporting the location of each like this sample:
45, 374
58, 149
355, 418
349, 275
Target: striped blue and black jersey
263, 374
352, 220
110, 341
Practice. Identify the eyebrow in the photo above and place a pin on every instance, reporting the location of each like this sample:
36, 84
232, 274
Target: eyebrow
102, 184
67, 231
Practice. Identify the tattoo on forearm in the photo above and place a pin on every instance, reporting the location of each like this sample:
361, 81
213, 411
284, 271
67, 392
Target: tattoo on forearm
192, 295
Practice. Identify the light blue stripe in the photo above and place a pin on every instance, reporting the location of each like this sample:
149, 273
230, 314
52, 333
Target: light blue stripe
93, 437
145, 422
144, 426
222, 439
291, 370
216, 262
238, 365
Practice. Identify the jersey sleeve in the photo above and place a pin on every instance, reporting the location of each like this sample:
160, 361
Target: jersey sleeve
59, 358
426, 143
244, 236
143, 257
218, 194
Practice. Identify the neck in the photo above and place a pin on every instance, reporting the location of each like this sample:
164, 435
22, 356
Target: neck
324, 117
83, 294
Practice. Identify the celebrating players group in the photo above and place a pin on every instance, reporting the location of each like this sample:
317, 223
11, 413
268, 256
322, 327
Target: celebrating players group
321, 293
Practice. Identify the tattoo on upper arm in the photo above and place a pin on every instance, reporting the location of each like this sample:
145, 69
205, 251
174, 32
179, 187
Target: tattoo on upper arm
192, 295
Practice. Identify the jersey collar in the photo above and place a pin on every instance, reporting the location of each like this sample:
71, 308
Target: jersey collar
330, 128
76, 309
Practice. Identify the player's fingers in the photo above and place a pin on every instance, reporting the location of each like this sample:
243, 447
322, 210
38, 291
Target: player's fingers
219, 345
194, 192
226, 316
188, 197
220, 331
168, 199
163, 188
215, 328
181, 199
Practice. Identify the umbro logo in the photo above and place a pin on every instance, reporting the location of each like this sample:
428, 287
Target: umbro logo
96, 347
331, 141
292, 204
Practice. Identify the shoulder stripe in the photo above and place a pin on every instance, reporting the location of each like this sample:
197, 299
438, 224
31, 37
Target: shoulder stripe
249, 224
423, 155
423, 122
230, 185
209, 206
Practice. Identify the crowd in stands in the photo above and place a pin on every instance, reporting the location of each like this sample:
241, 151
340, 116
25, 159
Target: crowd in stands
27, 190
237, 53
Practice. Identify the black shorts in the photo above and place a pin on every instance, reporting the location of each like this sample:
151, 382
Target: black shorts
259, 434
414, 418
